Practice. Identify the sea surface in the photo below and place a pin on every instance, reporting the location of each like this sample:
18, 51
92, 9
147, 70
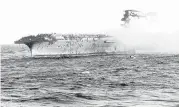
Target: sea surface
145, 80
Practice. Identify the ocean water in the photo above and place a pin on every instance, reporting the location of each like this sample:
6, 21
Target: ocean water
147, 80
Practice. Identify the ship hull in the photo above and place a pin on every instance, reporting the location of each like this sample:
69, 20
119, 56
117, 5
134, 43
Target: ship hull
76, 48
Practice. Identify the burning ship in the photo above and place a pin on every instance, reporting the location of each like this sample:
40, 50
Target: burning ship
71, 45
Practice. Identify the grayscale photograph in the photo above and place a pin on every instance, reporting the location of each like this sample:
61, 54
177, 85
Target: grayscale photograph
89, 53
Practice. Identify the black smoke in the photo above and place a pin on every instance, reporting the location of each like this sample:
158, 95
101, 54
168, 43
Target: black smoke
129, 14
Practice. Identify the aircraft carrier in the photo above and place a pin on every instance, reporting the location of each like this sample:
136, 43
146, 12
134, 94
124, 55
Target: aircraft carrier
71, 45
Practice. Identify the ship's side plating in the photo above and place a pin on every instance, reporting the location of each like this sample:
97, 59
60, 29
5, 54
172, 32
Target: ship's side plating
77, 46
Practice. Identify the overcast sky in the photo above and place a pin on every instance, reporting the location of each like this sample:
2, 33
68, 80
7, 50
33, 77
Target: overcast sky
20, 18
